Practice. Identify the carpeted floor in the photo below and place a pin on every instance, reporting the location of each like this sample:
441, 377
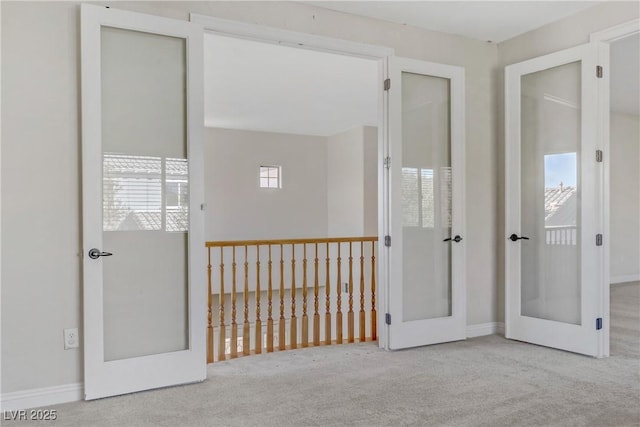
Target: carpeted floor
486, 381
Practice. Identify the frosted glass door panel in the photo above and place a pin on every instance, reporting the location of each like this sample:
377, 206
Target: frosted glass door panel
145, 193
551, 194
426, 197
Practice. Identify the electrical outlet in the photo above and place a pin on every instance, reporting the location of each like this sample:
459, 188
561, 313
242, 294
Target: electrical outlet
71, 338
346, 287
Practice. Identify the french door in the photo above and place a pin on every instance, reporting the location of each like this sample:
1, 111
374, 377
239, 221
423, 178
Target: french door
555, 289
426, 291
142, 118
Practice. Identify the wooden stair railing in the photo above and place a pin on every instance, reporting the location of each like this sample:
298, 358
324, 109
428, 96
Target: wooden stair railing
247, 255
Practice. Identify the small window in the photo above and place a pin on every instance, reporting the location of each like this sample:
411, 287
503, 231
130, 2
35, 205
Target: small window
270, 177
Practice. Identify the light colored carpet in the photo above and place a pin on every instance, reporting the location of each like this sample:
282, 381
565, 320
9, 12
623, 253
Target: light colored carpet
487, 381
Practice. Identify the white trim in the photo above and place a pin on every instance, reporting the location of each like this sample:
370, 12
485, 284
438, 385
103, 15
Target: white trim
625, 279
37, 397
383, 209
289, 38
617, 32
482, 329
604, 38
404, 334
603, 143
582, 338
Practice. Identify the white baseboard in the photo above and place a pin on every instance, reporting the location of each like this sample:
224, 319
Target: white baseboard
624, 279
38, 397
483, 329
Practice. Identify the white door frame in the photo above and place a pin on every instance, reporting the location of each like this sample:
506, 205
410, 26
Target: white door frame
608, 36
447, 328
380, 54
178, 367
539, 331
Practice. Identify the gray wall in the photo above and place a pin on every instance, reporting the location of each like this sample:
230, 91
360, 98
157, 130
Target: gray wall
41, 222
237, 208
625, 197
352, 182
562, 34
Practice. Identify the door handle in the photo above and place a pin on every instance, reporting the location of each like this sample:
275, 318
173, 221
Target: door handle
456, 239
514, 237
97, 253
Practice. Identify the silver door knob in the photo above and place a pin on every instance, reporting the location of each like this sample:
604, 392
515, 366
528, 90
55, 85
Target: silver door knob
97, 253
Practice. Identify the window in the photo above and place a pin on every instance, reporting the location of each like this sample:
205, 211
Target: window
133, 193
270, 177
418, 197
561, 198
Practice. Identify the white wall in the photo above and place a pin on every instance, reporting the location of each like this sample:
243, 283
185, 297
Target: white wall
41, 231
625, 197
352, 182
370, 171
562, 34
237, 208
345, 183
41, 223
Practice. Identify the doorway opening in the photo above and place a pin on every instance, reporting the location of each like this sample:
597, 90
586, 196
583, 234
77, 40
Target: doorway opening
291, 183
624, 190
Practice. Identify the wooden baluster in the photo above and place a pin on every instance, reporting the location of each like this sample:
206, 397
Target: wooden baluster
209, 310
281, 326
350, 313
258, 340
374, 318
294, 321
246, 329
223, 329
234, 325
327, 316
362, 314
339, 300
305, 318
316, 315
270, 307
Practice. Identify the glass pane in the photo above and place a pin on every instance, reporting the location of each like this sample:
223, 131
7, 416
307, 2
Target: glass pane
550, 198
145, 194
426, 197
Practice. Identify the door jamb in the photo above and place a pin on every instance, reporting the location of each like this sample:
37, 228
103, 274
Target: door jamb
605, 38
380, 54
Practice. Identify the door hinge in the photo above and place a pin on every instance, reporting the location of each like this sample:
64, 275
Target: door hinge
598, 323
599, 156
599, 71
387, 241
387, 162
598, 239
387, 84
387, 318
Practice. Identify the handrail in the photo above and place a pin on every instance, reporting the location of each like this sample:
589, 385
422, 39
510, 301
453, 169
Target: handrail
282, 286
227, 243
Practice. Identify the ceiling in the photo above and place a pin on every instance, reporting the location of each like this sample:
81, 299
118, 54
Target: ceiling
274, 88
494, 21
268, 87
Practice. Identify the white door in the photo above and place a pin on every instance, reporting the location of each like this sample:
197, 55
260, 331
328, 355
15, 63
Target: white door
426, 189
142, 177
555, 290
